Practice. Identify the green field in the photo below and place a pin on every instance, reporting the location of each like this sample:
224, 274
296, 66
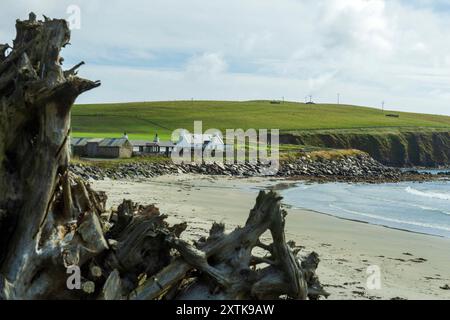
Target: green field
143, 120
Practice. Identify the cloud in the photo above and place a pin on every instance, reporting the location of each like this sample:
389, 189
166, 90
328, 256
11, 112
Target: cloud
207, 63
367, 50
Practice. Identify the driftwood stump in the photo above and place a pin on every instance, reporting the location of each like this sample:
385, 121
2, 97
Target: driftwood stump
35, 96
52, 221
230, 270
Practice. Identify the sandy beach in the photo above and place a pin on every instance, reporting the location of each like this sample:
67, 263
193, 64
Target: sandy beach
412, 266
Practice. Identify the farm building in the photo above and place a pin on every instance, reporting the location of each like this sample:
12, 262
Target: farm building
101, 148
153, 147
115, 148
124, 148
139, 146
142, 147
161, 147
78, 146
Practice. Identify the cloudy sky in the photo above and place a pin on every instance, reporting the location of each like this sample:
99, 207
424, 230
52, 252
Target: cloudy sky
366, 50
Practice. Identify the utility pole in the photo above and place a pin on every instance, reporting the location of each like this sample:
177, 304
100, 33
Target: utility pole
338, 98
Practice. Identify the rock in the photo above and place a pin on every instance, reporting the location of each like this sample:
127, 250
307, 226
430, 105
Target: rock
351, 168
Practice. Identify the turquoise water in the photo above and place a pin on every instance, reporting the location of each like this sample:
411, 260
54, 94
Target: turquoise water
418, 207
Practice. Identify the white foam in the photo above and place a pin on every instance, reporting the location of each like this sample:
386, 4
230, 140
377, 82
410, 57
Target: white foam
428, 194
373, 216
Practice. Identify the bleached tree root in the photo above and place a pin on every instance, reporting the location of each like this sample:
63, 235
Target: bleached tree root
229, 269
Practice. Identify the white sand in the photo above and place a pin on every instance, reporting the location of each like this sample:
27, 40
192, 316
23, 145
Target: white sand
346, 248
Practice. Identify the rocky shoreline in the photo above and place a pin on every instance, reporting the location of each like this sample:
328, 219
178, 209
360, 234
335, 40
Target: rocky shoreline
360, 168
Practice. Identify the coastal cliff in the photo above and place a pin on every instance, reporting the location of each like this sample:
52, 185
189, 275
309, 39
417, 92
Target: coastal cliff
394, 148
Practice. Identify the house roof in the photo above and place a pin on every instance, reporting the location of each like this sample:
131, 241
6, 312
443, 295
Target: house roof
94, 140
140, 143
81, 142
162, 144
145, 143
113, 142
195, 138
78, 141
108, 142
204, 141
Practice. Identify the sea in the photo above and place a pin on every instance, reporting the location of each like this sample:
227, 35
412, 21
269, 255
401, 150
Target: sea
422, 207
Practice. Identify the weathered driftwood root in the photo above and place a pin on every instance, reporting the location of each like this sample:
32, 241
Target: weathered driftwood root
51, 221
35, 100
113, 250
230, 270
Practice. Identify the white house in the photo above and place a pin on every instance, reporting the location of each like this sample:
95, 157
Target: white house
211, 142
214, 142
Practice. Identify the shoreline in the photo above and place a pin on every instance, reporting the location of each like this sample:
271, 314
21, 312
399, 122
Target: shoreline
284, 183
368, 223
380, 223
413, 265
289, 206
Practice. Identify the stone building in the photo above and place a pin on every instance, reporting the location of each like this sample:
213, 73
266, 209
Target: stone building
102, 148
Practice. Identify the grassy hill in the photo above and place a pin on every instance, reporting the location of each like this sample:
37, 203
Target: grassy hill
142, 120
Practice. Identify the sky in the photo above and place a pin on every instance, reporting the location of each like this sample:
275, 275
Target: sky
367, 51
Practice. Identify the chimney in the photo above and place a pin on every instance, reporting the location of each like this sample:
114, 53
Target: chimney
156, 140
125, 135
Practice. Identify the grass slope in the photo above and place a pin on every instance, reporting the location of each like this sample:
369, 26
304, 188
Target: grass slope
142, 120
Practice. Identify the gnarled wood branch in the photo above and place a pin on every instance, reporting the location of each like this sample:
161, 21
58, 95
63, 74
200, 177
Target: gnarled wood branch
225, 261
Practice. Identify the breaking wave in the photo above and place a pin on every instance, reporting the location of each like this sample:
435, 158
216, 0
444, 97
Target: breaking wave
428, 194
